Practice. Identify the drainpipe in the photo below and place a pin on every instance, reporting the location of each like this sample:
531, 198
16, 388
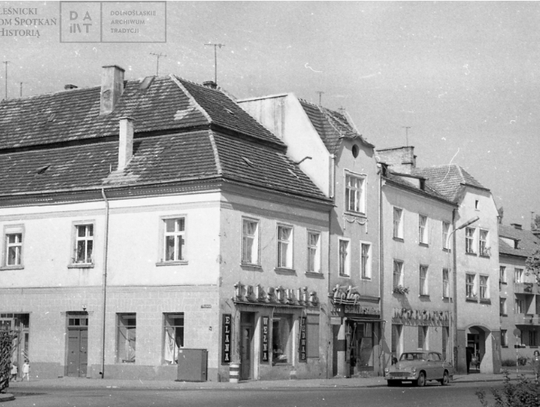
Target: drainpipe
104, 285
381, 274
331, 180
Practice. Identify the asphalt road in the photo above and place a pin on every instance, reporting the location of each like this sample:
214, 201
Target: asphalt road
457, 394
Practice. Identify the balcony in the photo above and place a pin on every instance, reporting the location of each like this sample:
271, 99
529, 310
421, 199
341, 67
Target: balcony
525, 288
527, 319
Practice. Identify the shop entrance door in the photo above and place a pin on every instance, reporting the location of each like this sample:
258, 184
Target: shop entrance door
77, 355
247, 327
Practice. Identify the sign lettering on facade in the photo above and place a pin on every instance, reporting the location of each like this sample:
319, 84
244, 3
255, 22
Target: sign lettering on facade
303, 339
264, 339
226, 339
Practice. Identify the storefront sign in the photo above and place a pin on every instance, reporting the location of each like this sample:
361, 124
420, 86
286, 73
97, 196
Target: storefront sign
226, 339
303, 339
264, 339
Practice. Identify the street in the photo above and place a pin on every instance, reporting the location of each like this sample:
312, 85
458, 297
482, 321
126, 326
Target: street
457, 394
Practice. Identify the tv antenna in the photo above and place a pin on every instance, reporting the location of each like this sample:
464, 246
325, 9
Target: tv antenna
157, 60
407, 134
20, 89
215, 57
320, 92
6, 64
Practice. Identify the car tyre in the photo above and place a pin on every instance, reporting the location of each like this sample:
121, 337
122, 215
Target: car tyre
393, 383
421, 381
446, 379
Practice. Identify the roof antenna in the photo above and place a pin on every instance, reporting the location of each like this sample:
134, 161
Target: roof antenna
320, 92
215, 58
157, 60
406, 135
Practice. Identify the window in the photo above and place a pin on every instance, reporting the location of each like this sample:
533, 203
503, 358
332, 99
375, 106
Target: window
13, 249
532, 338
398, 273
446, 283
517, 333
365, 260
175, 239
483, 243
284, 247
126, 337
423, 280
84, 244
173, 337
469, 240
312, 336
502, 306
483, 285
502, 274
518, 275
250, 241
396, 339
422, 229
504, 337
281, 338
520, 306
445, 235
314, 252
422, 337
470, 288
344, 258
354, 193
398, 223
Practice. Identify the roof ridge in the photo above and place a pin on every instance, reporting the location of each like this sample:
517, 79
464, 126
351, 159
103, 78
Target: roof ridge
178, 82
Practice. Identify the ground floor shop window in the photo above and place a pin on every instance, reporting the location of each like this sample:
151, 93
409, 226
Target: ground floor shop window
19, 324
173, 336
396, 340
281, 338
313, 336
126, 337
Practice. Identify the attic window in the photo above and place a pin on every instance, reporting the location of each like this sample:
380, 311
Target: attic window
51, 117
43, 169
248, 162
355, 150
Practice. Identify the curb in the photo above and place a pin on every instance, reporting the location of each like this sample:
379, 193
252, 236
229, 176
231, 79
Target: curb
6, 397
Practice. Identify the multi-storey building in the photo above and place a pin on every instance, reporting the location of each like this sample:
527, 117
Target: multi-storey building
342, 164
147, 217
519, 301
474, 260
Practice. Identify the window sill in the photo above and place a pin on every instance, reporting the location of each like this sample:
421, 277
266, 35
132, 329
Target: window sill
313, 274
365, 278
423, 244
445, 249
445, 298
285, 271
398, 239
424, 296
503, 282
484, 256
251, 266
504, 346
80, 266
20, 267
172, 263
471, 300
485, 301
503, 315
357, 214
471, 254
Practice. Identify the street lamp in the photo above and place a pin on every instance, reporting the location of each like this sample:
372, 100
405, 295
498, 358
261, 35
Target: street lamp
454, 285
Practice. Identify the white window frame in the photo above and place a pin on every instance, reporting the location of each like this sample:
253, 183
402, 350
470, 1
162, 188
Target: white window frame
423, 280
471, 291
355, 193
365, 260
285, 261
250, 242
313, 252
397, 270
18, 245
519, 306
179, 239
518, 275
470, 240
483, 240
344, 259
504, 337
502, 274
445, 235
125, 352
446, 282
397, 216
173, 336
483, 287
502, 306
423, 236
88, 259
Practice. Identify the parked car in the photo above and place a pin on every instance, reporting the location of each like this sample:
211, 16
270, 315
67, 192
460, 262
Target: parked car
419, 367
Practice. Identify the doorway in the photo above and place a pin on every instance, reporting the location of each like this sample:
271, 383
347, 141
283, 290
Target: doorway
247, 328
77, 352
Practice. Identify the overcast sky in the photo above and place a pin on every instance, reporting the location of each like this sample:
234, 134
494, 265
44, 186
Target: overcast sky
464, 76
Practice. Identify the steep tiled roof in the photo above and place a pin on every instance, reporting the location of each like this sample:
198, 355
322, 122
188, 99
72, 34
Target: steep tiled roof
528, 242
331, 126
401, 180
447, 179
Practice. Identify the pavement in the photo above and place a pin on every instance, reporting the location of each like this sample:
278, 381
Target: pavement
377, 381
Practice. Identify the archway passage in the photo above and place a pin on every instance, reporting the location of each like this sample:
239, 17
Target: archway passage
481, 350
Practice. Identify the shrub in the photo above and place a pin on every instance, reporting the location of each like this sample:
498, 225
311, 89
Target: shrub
523, 393
508, 362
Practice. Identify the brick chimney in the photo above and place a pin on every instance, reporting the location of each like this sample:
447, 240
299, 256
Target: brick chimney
125, 145
112, 87
399, 159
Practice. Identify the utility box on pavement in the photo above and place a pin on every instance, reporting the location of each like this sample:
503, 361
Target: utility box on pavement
192, 365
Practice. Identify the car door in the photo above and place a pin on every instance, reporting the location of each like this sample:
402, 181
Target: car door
435, 366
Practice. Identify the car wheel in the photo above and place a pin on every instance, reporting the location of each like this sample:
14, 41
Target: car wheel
421, 381
392, 383
446, 379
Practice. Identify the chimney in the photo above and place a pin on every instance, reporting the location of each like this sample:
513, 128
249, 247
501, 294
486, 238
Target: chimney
125, 144
112, 87
210, 84
70, 86
516, 226
400, 159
